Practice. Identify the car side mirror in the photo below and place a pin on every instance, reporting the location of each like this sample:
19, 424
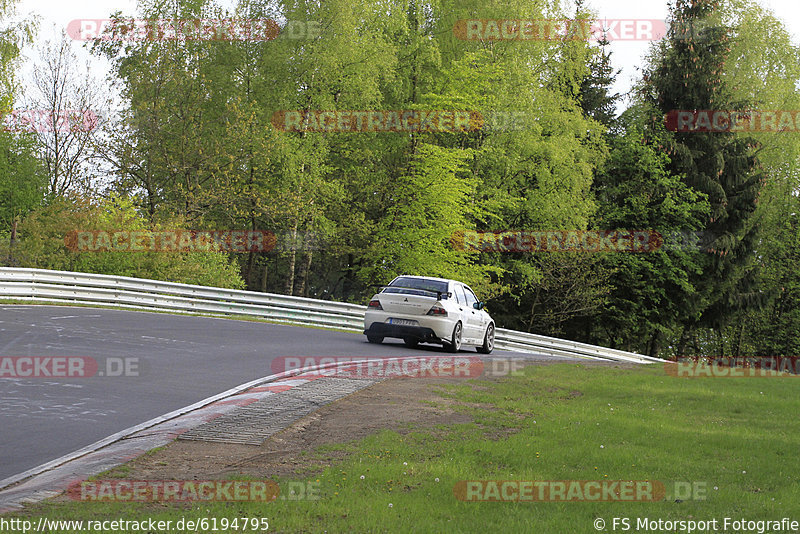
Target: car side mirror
478, 305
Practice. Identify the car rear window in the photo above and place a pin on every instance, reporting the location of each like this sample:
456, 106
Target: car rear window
417, 286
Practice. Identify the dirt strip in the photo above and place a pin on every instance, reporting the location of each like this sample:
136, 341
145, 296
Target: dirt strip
398, 404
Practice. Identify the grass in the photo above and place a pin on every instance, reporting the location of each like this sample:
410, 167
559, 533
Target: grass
738, 437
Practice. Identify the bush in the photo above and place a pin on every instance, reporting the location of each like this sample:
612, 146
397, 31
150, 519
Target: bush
43, 236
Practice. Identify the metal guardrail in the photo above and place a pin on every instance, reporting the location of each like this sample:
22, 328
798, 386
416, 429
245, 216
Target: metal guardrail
136, 293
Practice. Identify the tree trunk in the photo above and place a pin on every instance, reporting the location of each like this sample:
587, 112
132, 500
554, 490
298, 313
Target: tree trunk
288, 289
682, 342
655, 344
533, 306
249, 271
347, 280
12, 244
301, 289
738, 348
695, 344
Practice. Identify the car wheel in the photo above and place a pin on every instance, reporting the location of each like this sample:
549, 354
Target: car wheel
411, 341
375, 339
455, 339
488, 341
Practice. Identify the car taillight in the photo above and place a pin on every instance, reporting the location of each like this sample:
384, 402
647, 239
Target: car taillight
375, 305
437, 310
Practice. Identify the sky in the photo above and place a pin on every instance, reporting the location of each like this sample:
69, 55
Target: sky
627, 55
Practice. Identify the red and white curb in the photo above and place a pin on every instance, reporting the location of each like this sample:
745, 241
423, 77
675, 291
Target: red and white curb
52, 478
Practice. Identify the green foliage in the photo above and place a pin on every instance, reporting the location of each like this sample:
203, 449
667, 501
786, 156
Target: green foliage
13, 36
197, 145
44, 244
21, 180
595, 95
22, 183
430, 203
636, 191
763, 68
687, 74
772, 331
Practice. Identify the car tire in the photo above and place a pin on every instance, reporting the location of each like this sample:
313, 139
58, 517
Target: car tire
411, 341
488, 341
375, 339
455, 338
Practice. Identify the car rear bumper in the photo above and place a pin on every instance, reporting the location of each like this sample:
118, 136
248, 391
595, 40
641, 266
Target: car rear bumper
420, 333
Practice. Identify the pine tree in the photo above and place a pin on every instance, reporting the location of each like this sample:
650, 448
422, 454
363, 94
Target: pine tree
595, 95
686, 74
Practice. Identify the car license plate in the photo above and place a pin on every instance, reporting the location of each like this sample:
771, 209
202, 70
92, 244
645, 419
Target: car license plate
403, 322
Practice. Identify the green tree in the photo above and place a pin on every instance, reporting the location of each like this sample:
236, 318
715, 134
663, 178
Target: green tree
22, 188
21, 179
44, 244
595, 95
686, 73
636, 191
773, 331
763, 68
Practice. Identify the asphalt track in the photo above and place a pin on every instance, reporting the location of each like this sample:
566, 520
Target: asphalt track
179, 360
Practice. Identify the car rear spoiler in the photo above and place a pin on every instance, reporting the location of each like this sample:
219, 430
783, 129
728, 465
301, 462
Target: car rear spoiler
438, 293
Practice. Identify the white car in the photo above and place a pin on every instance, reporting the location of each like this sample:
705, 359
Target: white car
421, 309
